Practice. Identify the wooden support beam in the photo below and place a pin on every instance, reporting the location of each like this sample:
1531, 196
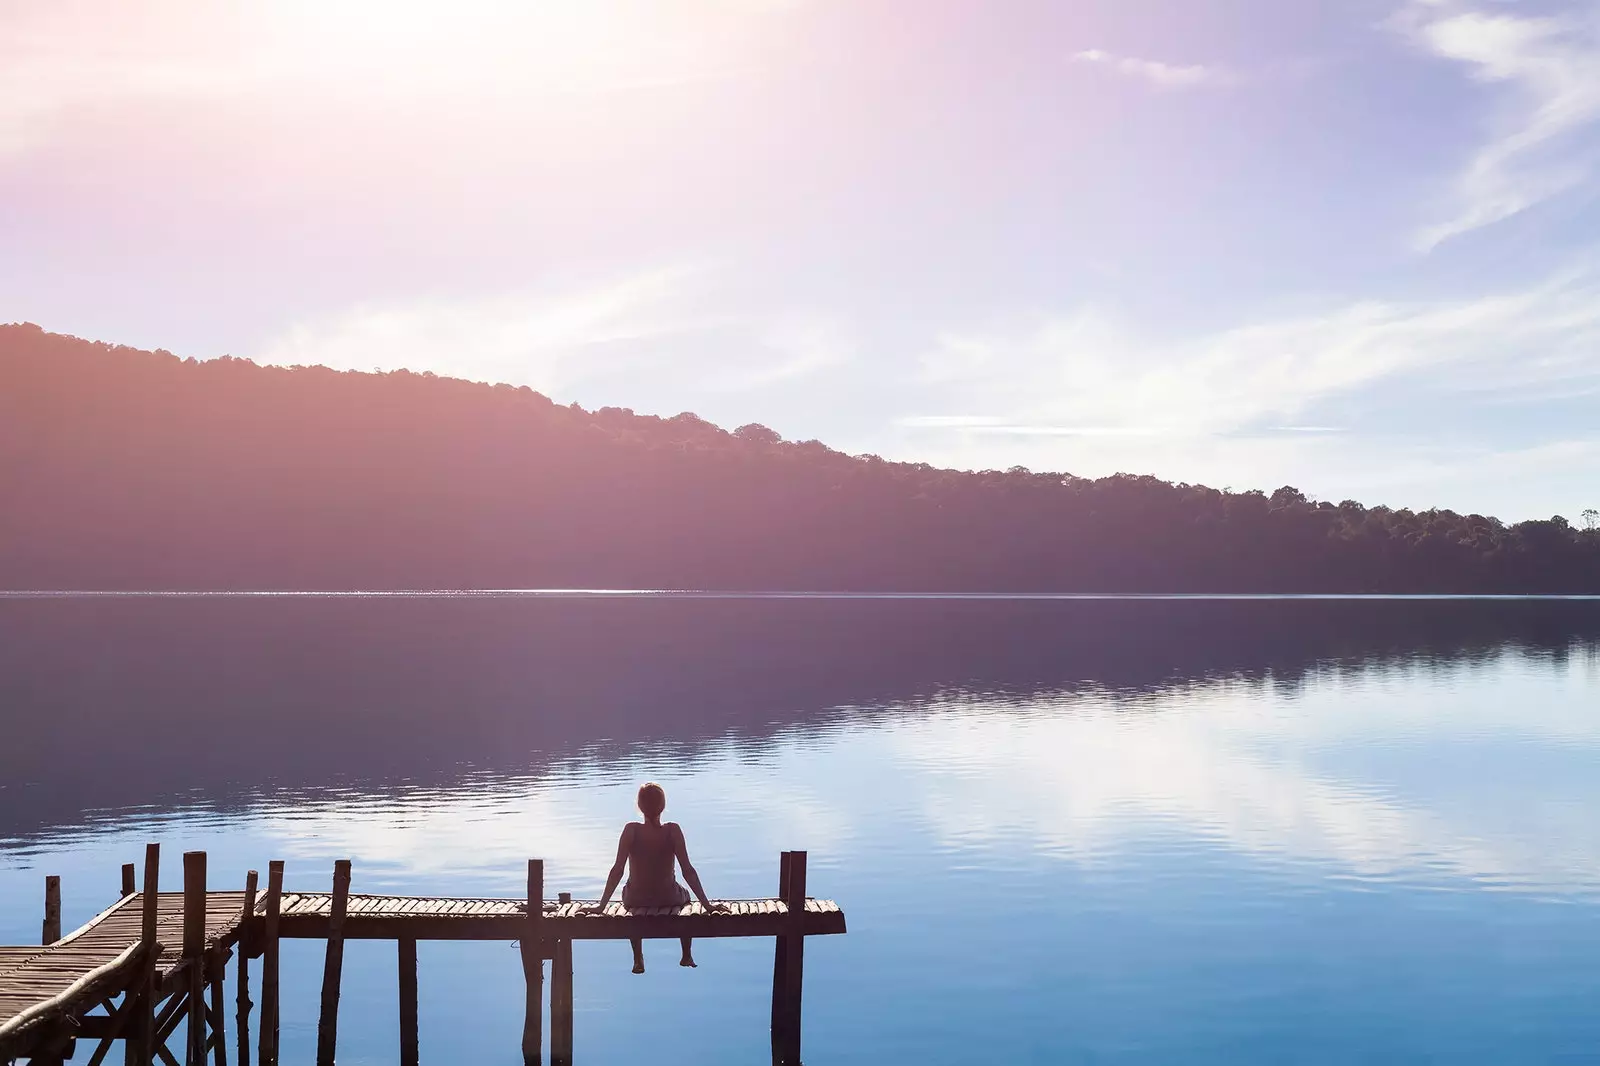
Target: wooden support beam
115, 1023
52, 910
408, 1001
194, 951
533, 969
561, 998
268, 1048
175, 1011
243, 1019
780, 967
333, 966
130, 882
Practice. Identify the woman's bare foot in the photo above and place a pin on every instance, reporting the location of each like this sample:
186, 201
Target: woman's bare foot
688, 960
638, 966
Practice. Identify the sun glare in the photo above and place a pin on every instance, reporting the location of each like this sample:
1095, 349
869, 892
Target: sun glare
552, 43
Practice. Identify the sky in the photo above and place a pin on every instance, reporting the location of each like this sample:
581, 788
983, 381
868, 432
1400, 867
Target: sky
1347, 245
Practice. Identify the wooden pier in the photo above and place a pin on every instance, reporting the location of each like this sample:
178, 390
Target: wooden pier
155, 960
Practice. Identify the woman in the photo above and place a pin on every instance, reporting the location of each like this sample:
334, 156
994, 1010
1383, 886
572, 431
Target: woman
648, 850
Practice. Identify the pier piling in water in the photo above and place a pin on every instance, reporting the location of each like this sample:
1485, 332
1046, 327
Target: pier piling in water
50, 996
561, 994
51, 931
333, 965
194, 951
268, 1047
533, 968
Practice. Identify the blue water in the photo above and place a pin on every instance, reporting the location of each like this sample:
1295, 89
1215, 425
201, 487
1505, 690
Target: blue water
1146, 832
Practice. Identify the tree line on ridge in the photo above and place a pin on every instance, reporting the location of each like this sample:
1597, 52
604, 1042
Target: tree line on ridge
122, 468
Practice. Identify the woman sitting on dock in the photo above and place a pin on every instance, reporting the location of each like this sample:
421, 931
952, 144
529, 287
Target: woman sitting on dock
648, 850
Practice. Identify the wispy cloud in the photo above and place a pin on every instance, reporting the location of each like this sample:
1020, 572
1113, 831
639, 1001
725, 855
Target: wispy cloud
1549, 70
542, 338
647, 327
1162, 75
1087, 373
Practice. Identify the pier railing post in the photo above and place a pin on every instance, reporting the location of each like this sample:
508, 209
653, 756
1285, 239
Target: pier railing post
409, 1054
243, 1018
51, 931
333, 965
561, 997
139, 1047
268, 1041
533, 969
194, 951
130, 875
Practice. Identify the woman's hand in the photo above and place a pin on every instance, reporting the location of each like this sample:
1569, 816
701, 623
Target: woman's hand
718, 908
592, 908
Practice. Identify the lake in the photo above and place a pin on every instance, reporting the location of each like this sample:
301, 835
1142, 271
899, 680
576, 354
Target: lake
1095, 831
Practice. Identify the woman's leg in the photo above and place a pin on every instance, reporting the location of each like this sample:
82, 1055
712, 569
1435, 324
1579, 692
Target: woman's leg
638, 954
688, 953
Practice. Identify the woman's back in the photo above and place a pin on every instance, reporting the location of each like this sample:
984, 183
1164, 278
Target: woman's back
652, 851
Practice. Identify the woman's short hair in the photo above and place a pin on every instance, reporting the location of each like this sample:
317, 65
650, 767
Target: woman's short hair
652, 798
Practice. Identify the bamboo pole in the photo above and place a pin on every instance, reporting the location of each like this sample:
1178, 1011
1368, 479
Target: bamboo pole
533, 969
243, 1023
194, 951
408, 1001
333, 966
268, 1046
561, 998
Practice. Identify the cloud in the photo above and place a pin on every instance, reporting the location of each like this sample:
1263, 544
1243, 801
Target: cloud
539, 338
657, 328
1548, 69
1161, 75
1085, 373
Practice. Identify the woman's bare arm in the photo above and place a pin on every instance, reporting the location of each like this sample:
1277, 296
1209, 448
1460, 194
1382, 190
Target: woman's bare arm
681, 850
624, 845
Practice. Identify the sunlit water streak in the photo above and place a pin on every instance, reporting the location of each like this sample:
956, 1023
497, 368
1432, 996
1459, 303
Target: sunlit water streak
1391, 859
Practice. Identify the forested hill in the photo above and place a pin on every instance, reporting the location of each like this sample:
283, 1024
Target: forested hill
124, 469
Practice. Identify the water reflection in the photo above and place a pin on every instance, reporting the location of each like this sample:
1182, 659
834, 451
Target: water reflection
220, 701
1174, 832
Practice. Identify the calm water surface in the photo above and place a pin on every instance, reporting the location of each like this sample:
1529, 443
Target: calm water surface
1132, 832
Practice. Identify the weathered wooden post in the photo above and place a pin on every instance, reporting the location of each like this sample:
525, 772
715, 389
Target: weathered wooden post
789, 961
217, 968
245, 945
194, 951
561, 997
139, 1048
129, 879
533, 969
333, 965
780, 967
408, 1001
268, 1047
51, 931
